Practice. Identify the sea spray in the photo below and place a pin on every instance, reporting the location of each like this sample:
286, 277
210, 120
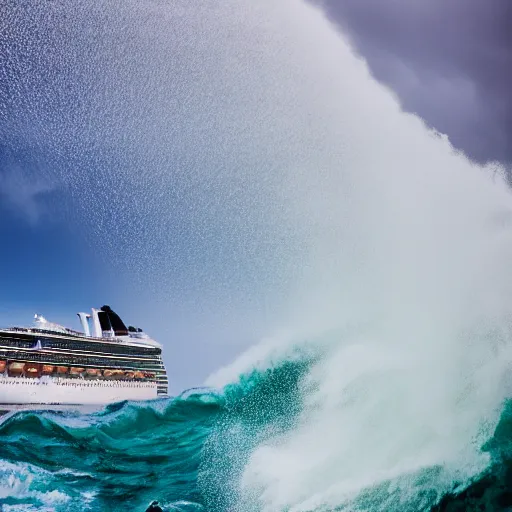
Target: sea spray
412, 244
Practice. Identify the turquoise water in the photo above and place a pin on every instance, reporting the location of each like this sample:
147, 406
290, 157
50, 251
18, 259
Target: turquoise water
185, 451
189, 452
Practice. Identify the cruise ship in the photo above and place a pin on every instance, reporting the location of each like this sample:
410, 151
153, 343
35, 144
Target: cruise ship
49, 364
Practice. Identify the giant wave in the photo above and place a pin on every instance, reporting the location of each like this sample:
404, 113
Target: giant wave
191, 451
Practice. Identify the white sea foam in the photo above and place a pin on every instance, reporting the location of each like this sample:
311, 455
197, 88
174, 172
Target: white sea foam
409, 244
24, 481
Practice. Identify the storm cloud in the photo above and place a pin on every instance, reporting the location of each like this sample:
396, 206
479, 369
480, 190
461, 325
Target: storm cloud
450, 62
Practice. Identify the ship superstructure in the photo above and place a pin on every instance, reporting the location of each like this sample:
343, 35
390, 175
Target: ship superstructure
108, 362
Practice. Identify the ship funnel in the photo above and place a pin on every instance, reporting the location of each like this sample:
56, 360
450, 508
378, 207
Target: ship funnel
84, 320
96, 326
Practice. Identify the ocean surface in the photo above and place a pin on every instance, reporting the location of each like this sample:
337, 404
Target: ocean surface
189, 452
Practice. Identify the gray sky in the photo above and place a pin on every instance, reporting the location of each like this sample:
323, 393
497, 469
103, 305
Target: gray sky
449, 61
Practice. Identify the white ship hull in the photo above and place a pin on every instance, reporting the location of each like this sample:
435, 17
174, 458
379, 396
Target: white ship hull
66, 391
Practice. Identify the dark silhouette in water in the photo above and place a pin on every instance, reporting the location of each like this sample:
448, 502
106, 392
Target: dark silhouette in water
154, 507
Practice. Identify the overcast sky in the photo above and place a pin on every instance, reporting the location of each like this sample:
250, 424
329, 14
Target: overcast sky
449, 61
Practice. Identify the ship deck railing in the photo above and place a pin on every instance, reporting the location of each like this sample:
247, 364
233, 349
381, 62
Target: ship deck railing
69, 332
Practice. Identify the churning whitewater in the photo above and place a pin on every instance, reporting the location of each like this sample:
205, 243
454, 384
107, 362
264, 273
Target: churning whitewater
190, 452
378, 254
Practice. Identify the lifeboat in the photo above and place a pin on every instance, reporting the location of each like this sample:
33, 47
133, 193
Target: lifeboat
3, 364
16, 369
129, 374
62, 370
149, 375
76, 372
117, 374
107, 373
32, 370
138, 375
92, 372
47, 369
